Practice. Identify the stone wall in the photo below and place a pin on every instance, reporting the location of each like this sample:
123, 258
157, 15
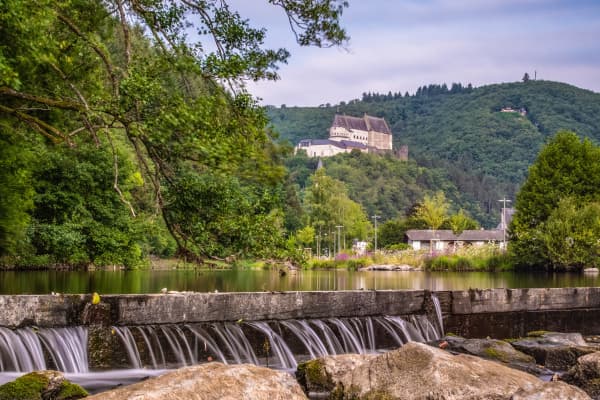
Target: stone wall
472, 313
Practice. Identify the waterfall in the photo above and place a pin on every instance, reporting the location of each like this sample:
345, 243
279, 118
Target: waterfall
438, 313
270, 343
278, 344
23, 350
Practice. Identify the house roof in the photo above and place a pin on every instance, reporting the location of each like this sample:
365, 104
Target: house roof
366, 123
449, 236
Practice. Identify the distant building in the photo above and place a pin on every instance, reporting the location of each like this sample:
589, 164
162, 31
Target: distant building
328, 147
442, 240
521, 111
367, 134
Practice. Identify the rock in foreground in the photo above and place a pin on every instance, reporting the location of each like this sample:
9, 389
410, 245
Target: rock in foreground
551, 391
47, 385
586, 374
495, 350
420, 372
212, 381
556, 351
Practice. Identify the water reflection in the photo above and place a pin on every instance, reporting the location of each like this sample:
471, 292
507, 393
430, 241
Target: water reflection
40, 282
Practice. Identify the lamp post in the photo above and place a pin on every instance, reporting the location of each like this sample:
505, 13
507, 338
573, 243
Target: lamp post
503, 221
375, 218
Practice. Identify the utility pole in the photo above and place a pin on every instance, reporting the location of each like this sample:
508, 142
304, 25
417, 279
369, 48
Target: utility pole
339, 238
375, 218
503, 221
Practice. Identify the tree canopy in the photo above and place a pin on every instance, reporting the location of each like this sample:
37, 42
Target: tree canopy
563, 181
127, 78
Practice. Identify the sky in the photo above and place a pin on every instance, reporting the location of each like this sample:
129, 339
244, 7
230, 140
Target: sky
399, 45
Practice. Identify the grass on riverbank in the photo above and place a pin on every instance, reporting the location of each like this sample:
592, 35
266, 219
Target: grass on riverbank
485, 258
481, 258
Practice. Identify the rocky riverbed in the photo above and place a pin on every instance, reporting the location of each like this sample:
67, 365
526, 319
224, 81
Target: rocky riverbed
448, 369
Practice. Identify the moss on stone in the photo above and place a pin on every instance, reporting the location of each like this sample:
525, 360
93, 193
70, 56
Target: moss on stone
536, 333
71, 391
495, 354
26, 387
312, 376
353, 393
377, 395
32, 385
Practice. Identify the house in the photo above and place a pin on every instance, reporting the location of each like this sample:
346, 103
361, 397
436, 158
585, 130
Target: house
367, 134
443, 239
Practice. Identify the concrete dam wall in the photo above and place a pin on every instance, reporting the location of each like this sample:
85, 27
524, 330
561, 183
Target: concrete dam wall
473, 313
275, 329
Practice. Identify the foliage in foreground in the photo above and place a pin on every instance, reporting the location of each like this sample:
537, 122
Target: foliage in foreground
140, 131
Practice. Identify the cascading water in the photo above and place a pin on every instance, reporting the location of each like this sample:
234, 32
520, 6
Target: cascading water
23, 350
276, 344
241, 343
438, 313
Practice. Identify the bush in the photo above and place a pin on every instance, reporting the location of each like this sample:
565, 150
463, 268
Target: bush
398, 247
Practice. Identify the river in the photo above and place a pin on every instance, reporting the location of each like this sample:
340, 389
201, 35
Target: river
152, 281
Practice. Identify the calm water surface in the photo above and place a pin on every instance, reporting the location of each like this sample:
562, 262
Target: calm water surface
152, 281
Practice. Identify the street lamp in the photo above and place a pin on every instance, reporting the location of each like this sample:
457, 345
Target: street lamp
375, 218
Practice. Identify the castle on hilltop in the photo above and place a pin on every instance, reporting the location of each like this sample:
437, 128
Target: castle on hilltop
367, 134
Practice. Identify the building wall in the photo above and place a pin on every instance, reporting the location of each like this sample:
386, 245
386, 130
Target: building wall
339, 133
324, 150
381, 141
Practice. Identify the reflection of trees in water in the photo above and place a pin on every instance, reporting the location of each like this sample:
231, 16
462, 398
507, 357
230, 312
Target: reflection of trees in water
106, 282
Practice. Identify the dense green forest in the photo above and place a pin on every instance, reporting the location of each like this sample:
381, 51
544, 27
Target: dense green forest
383, 185
459, 135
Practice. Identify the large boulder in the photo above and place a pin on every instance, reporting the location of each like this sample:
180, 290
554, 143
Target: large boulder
556, 351
212, 381
495, 350
418, 371
551, 391
322, 374
46, 385
586, 374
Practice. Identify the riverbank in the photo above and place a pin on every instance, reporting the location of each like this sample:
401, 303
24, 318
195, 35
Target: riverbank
486, 258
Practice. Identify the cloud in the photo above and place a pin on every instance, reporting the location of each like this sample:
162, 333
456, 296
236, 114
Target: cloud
399, 46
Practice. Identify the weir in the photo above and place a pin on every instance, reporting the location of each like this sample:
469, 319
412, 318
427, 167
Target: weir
276, 329
278, 344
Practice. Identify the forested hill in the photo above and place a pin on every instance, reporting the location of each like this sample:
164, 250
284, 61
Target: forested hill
461, 129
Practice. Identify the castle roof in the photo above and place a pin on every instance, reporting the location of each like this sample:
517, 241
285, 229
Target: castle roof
366, 123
